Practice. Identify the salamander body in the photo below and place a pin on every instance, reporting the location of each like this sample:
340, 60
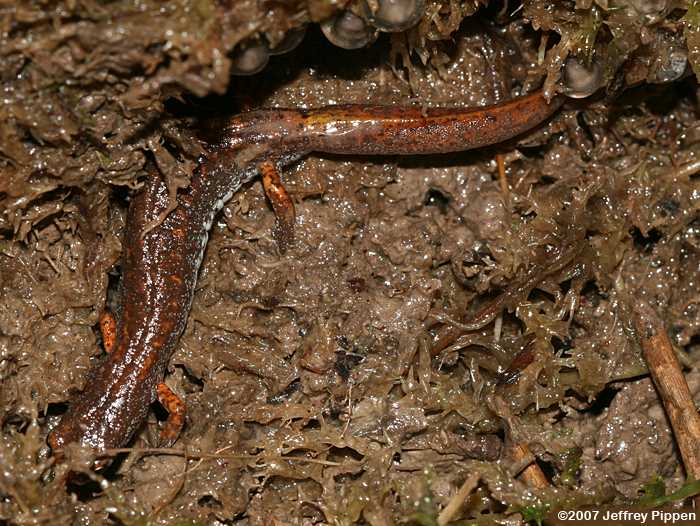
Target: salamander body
160, 264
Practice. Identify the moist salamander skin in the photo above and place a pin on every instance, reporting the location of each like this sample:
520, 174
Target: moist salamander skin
160, 264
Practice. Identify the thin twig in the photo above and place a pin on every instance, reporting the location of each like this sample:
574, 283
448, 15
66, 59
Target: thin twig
502, 178
532, 475
671, 385
458, 499
517, 452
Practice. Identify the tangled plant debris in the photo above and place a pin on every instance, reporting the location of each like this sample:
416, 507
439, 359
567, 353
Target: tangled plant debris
449, 338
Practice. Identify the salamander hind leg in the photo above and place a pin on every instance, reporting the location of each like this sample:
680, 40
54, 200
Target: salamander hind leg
282, 204
176, 415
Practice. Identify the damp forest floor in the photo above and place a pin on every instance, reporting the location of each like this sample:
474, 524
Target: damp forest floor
332, 383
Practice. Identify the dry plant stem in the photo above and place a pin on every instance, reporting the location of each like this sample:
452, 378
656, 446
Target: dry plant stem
502, 179
532, 475
458, 499
671, 385
518, 453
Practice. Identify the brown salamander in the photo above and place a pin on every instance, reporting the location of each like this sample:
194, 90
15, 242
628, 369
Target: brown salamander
160, 264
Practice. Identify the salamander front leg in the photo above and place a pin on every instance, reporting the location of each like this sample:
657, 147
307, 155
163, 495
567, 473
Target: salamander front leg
282, 204
176, 415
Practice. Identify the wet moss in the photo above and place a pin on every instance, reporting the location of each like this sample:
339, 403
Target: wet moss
323, 383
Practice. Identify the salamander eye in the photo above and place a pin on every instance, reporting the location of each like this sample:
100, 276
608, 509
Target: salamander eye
394, 15
347, 30
249, 58
290, 41
580, 80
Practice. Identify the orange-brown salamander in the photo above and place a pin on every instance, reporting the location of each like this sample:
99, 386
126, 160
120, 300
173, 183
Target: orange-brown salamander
160, 264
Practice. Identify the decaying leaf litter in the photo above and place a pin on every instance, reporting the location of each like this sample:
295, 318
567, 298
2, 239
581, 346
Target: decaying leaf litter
332, 384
